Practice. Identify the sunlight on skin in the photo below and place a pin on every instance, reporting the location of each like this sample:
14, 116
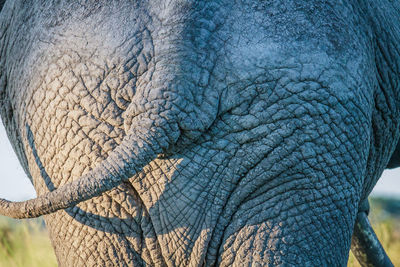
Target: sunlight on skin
15, 185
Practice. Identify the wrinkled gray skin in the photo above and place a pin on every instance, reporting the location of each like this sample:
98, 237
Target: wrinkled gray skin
245, 132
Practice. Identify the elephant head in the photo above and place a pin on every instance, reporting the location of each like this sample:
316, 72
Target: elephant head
201, 132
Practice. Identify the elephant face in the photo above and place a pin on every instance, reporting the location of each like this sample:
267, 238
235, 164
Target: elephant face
225, 132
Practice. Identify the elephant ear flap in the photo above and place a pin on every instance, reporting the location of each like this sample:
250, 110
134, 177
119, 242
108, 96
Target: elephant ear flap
394, 161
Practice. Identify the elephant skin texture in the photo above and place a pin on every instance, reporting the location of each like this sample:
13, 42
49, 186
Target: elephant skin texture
230, 133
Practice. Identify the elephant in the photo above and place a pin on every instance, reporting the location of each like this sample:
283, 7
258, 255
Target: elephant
202, 133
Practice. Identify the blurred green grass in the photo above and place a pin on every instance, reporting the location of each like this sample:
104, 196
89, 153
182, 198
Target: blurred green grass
26, 242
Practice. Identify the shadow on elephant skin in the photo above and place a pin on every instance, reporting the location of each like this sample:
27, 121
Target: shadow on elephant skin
86, 218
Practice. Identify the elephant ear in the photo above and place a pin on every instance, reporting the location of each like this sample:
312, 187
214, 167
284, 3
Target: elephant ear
394, 161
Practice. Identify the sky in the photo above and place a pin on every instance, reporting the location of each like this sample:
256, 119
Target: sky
15, 185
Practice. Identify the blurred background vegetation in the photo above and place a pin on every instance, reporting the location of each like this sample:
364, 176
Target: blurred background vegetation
26, 243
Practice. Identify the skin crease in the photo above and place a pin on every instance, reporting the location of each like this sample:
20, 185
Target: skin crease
274, 120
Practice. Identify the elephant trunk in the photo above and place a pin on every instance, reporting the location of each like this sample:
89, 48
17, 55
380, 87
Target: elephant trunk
365, 244
135, 151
